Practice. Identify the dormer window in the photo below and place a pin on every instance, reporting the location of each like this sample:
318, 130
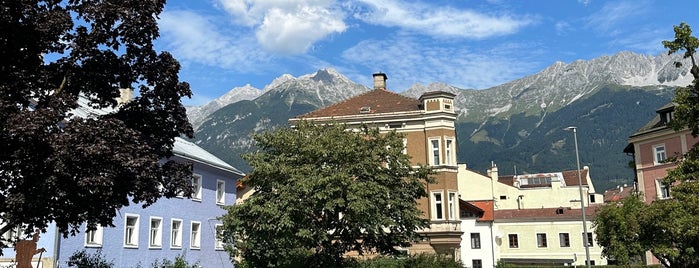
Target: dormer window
668, 116
365, 110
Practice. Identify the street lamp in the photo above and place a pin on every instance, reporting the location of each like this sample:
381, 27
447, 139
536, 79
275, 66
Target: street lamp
582, 201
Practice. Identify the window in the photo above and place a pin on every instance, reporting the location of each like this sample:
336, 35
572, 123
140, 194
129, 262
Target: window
12, 234
662, 189
93, 238
405, 146
592, 198
452, 205
220, 192
131, 231
503, 197
541, 240
218, 244
156, 233
564, 240
475, 240
477, 264
512, 239
196, 187
434, 143
195, 236
437, 212
592, 262
589, 239
449, 151
659, 154
176, 233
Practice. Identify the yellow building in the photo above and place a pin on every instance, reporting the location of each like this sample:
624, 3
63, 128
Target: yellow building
537, 217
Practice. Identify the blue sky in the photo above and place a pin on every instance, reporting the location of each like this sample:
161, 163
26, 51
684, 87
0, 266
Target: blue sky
223, 44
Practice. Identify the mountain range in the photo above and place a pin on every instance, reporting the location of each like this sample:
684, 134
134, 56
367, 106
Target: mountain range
517, 125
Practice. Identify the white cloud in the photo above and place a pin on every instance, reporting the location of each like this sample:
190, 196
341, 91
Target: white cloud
609, 19
562, 27
437, 20
409, 61
287, 26
194, 38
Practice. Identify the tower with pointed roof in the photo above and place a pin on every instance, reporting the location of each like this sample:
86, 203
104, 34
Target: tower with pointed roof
430, 139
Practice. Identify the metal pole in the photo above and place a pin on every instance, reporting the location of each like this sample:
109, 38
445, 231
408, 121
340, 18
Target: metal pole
582, 200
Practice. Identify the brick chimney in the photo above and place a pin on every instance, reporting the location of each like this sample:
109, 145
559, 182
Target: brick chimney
380, 81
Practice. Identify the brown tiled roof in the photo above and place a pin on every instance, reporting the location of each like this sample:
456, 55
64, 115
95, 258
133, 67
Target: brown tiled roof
508, 179
378, 101
571, 177
543, 213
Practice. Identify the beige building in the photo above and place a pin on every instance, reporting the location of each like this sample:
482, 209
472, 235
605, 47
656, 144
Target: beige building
537, 217
430, 139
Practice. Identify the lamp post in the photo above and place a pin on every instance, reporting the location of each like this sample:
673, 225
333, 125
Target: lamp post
582, 200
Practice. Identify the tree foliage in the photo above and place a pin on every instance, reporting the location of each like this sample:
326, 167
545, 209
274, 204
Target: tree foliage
617, 227
322, 191
668, 227
66, 169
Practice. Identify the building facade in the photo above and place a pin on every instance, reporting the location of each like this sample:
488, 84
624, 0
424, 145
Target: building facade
168, 228
537, 218
651, 146
430, 139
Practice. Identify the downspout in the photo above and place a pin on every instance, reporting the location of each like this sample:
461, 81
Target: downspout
492, 242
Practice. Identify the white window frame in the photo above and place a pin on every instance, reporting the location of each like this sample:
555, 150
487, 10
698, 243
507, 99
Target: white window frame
509, 242
662, 190
435, 149
542, 240
218, 242
475, 240
562, 237
12, 235
452, 204
196, 187
97, 236
450, 151
176, 238
195, 235
133, 237
220, 192
659, 155
590, 240
437, 205
405, 146
155, 235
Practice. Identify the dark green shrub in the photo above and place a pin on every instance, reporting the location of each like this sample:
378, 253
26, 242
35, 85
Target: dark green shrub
180, 262
82, 259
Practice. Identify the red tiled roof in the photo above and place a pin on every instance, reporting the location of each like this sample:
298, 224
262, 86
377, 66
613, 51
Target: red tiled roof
487, 207
543, 213
378, 101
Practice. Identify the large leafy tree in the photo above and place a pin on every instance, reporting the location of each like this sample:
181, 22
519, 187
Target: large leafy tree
322, 191
617, 228
58, 56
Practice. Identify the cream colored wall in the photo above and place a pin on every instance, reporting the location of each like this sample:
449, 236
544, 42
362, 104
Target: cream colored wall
526, 232
475, 186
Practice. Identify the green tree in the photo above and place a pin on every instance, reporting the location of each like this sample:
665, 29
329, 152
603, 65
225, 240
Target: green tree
56, 167
676, 239
618, 230
322, 191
